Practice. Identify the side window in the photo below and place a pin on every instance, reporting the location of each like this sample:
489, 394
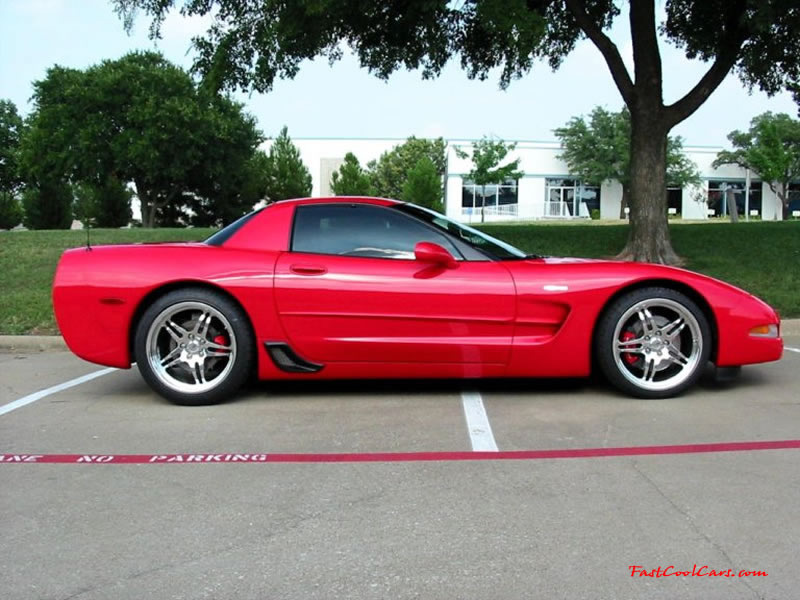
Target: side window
360, 230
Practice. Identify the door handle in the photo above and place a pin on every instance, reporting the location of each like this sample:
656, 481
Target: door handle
308, 270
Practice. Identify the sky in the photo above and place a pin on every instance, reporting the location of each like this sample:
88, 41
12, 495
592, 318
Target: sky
345, 101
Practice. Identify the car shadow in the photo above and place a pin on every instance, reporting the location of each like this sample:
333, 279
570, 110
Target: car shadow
393, 387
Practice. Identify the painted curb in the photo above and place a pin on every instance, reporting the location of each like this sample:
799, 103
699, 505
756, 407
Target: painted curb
55, 343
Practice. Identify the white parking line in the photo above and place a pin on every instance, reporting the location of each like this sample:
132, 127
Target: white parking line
480, 431
30, 398
792, 349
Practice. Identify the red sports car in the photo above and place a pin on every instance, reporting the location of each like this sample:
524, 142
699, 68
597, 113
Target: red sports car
330, 288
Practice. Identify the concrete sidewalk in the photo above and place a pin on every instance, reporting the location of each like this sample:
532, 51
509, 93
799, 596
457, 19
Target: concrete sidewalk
55, 343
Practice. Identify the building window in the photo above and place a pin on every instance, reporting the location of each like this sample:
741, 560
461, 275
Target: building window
717, 202
674, 201
794, 199
566, 198
489, 199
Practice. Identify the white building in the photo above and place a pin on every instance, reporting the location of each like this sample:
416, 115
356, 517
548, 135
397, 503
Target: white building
547, 190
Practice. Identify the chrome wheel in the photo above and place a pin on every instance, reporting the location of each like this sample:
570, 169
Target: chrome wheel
653, 342
657, 344
191, 347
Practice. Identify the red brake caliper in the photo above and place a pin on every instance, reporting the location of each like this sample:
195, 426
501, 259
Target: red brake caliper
222, 341
629, 357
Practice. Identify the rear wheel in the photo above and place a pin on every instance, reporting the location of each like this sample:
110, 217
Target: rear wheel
194, 346
653, 343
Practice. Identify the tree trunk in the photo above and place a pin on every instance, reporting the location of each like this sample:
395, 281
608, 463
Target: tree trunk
650, 119
733, 211
145, 205
648, 240
783, 196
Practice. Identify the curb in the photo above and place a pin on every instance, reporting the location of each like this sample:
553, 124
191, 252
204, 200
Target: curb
55, 343
790, 327
32, 343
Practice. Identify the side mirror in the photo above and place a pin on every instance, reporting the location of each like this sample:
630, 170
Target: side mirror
434, 254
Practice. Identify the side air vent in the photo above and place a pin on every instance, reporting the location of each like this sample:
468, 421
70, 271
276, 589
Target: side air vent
287, 360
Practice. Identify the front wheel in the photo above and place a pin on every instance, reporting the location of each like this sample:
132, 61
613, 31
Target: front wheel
194, 347
653, 343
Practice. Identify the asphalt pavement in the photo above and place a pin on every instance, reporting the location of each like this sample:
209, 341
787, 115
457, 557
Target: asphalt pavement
407, 509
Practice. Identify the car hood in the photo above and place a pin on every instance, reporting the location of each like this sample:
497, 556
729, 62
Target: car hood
623, 271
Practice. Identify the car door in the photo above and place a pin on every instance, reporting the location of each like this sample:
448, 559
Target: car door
350, 290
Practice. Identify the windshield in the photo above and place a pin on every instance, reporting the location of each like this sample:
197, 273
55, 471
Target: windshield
477, 239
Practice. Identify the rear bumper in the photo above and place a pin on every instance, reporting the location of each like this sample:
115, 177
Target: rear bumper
93, 322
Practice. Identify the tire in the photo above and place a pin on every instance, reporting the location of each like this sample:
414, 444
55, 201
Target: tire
194, 347
653, 343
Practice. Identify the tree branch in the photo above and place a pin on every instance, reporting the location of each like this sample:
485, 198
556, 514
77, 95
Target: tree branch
726, 58
607, 48
683, 108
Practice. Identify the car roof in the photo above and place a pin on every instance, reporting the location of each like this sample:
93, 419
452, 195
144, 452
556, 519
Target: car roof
342, 200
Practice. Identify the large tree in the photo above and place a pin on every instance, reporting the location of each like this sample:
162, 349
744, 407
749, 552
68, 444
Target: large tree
599, 150
250, 43
10, 180
231, 174
770, 148
10, 131
232, 193
137, 119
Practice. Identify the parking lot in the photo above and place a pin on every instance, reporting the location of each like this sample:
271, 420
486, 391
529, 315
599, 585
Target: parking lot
374, 489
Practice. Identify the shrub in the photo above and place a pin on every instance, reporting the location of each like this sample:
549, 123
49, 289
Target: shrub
10, 211
423, 185
48, 206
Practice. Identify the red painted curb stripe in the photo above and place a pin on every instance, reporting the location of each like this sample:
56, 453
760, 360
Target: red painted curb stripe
394, 456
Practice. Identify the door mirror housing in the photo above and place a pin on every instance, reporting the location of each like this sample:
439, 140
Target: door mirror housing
434, 254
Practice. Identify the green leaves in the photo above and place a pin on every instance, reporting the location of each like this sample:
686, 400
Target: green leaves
250, 44
10, 211
487, 154
11, 128
104, 205
48, 205
770, 148
351, 179
289, 177
411, 171
389, 173
423, 185
141, 119
761, 36
10, 132
599, 150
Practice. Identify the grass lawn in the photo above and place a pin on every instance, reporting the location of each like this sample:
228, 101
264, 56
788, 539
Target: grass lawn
28, 262
761, 257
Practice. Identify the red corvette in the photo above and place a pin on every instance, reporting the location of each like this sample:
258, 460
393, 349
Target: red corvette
366, 287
